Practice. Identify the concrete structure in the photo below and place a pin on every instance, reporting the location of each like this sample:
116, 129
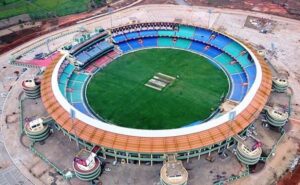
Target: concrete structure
37, 130
173, 172
276, 116
86, 165
32, 88
280, 84
247, 155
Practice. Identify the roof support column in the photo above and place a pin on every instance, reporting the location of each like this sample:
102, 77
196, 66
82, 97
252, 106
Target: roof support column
228, 142
209, 150
151, 161
103, 152
139, 158
199, 154
115, 152
219, 149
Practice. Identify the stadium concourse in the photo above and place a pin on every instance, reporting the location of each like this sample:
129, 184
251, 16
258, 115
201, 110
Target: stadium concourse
231, 129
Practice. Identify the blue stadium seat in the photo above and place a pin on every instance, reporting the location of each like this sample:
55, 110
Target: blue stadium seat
134, 44
251, 72
148, 33
244, 77
238, 89
202, 34
82, 57
212, 52
119, 38
81, 108
220, 41
132, 35
124, 47
197, 46
103, 45
150, 42
93, 51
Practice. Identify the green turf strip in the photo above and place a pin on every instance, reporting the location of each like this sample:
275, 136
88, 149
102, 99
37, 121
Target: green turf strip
38, 9
118, 94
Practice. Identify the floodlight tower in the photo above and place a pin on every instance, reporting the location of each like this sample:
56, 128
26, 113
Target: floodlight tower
110, 11
209, 13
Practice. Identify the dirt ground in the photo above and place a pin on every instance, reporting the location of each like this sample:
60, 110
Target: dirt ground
266, 6
157, 2
279, 7
291, 178
10, 41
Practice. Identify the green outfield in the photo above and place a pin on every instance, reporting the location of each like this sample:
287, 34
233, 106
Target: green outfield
119, 95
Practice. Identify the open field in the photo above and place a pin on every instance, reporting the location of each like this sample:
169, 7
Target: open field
42, 8
118, 93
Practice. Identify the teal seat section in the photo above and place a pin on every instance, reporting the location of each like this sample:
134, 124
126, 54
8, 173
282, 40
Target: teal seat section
76, 97
62, 88
75, 85
69, 96
234, 49
183, 43
186, 31
169, 33
244, 61
63, 78
234, 68
69, 69
224, 59
165, 42
79, 77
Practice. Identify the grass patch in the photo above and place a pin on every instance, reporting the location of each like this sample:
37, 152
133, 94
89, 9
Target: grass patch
39, 9
118, 94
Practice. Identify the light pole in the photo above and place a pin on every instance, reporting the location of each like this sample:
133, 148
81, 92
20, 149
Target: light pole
110, 11
209, 12
49, 53
47, 43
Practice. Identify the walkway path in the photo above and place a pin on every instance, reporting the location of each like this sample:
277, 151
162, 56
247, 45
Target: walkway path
9, 173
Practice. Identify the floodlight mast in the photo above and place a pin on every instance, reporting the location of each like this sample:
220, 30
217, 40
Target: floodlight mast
209, 13
110, 12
